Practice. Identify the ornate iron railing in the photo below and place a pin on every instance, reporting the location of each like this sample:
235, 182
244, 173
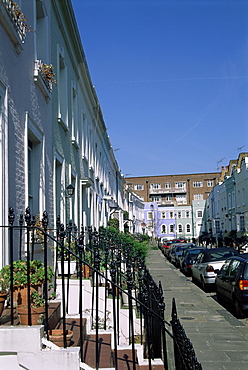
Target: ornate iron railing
116, 268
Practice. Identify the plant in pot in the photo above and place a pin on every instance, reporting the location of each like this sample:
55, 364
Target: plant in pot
20, 278
37, 310
57, 337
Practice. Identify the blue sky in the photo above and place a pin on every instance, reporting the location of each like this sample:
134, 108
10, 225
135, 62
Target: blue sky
172, 80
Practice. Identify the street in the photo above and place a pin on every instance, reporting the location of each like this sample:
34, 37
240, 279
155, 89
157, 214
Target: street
219, 339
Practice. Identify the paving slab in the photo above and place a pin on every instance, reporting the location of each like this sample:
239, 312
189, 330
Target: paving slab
220, 340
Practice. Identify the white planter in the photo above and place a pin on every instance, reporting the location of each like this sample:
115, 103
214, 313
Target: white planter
73, 267
125, 298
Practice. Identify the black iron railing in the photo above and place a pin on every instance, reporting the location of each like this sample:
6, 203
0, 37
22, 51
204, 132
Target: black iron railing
116, 268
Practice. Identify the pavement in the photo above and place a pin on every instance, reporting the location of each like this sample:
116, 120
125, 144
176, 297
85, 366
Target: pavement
220, 340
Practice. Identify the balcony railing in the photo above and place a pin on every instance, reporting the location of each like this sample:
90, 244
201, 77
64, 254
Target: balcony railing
17, 18
168, 190
41, 79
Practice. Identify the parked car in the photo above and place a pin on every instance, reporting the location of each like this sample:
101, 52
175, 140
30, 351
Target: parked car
177, 251
232, 284
187, 259
167, 245
208, 263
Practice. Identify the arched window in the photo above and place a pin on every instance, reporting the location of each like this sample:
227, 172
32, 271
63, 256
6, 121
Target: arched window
171, 229
180, 228
188, 228
163, 229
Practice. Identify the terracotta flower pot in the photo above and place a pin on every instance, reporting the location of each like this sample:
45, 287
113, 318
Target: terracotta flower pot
20, 294
37, 315
56, 336
3, 297
87, 271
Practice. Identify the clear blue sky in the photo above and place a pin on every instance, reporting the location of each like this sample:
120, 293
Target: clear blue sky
172, 80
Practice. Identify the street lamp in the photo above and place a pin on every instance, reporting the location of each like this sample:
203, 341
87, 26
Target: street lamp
70, 190
69, 194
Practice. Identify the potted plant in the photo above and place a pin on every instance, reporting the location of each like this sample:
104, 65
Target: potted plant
20, 278
48, 73
37, 310
57, 337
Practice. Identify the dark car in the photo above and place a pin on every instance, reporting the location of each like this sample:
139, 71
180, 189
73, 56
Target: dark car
232, 284
187, 259
208, 263
177, 251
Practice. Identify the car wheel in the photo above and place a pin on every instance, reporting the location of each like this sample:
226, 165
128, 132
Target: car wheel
238, 311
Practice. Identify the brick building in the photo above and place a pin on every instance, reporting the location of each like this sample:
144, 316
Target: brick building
169, 190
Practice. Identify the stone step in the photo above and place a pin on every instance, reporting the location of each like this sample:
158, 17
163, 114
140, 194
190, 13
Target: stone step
9, 360
104, 348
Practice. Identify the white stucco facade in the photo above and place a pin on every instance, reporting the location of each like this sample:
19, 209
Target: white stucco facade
52, 129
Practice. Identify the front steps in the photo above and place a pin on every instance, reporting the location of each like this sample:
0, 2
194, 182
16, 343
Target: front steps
9, 360
34, 352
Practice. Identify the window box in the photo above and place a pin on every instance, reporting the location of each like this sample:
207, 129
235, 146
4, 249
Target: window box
40, 78
14, 22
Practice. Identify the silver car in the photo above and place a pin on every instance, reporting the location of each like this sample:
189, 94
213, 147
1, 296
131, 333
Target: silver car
208, 263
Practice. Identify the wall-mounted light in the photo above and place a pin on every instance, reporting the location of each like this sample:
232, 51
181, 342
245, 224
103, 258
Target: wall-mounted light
70, 190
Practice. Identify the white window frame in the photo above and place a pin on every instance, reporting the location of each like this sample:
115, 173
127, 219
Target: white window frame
62, 84
180, 185
138, 187
188, 229
35, 135
180, 228
197, 184
164, 226
155, 186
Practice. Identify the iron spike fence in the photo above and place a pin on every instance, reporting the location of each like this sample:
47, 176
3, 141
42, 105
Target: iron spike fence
114, 264
185, 357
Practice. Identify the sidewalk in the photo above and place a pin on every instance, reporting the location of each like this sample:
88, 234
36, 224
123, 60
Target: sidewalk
219, 339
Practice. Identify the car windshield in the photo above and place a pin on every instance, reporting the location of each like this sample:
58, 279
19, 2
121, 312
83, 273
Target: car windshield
219, 255
193, 252
178, 249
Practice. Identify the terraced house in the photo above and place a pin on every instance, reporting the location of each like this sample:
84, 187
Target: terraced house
56, 158
52, 130
59, 185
